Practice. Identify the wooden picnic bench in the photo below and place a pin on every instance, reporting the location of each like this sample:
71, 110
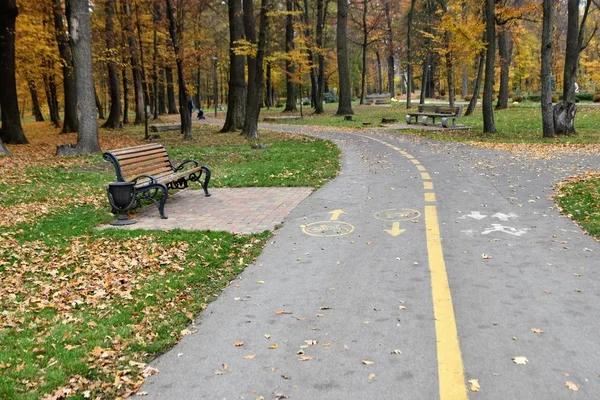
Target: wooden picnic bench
150, 167
445, 113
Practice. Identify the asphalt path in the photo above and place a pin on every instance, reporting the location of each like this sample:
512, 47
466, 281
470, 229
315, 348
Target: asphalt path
425, 270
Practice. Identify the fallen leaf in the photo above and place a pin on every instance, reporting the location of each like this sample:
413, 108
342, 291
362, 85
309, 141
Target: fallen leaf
486, 257
536, 330
279, 396
148, 371
304, 357
238, 343
219, 372
326, 344
281, 312
367, 362
572, 386
371, 377
225, 366
273, 346
311, 342
141, 394
319, 315
185, 332
260, 282
267, 336
474, 385
401, 307
396, 352
325, 308
520, 360
249, 356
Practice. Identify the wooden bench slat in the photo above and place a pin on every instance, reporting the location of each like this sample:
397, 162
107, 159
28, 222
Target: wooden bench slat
129, 156
150, 157
137, 149
149, 170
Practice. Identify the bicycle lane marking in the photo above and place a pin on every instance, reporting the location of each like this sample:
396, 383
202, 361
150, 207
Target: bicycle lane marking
450, 366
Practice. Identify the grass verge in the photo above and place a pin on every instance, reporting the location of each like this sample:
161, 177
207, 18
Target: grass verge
579, 199
84, 310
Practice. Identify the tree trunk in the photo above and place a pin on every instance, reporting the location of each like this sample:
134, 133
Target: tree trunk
489, 125
11, 131
364, 44
69, 88
255, 66
464, 90
390, 57
162, 93
505, 47
449, 60
138, 89
51, 97
546, 72
3, 150
37, 112
81, 36
345, 93
125, 84
477, 86
172, 106
409, 67
314, 85
268, 87
320, 58
290, 69
379, 73
98, 104
156, 17
184, 112
236, 98
114, 116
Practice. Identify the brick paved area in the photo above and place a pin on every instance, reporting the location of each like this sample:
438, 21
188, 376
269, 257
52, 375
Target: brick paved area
236, 210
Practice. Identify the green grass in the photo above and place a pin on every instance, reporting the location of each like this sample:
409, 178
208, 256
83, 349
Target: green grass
580, 200
520, 124
84, 308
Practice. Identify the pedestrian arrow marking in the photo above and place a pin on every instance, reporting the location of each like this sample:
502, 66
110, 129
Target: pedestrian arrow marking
504, 217
335, 214
475, 215
395, 231
504, 229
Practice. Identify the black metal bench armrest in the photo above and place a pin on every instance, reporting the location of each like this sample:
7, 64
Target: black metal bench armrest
180, 167
150, 177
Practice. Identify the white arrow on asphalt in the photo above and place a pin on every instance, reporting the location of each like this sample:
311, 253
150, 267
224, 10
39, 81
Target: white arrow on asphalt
504, 217
504, 229
475, 215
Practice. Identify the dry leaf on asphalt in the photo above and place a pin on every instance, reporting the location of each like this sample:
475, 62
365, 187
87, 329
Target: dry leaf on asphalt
311, 342
219, 372
281, 312
474, 385
396, 351
485, 256
520, 360
260, 282
249, 356
304, 357
367, 362
371, 377
572, 386
536, 330
149, 371
267, 336
273, 346
238, 343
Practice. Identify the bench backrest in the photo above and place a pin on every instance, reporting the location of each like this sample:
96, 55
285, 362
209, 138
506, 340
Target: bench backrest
454, 111
147, 159
427, 108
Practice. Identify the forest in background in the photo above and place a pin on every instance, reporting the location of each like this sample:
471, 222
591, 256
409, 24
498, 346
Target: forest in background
435, 46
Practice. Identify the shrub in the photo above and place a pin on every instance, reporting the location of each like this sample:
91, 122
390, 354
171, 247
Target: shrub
534, 97
330, 97
584, 96
517, 98
467, 97
597, 98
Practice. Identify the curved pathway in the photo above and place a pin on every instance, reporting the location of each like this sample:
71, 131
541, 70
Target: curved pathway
424, 270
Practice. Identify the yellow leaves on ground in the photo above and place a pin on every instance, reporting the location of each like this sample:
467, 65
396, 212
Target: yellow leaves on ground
238, 343
537, 330
273, 346
367, 362
572, 386
474, 385
281, 312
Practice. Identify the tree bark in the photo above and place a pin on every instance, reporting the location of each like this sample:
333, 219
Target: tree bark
464, 89
81, 36
3, 150
390, 45
172, 106
236, 98
505, 47
138, 89
546, 70
69, 88
11, 131
156, 17
345, 93
98, 104
409, 67
290, 69
162, 104
184, 112
51, 97
125, 84
114, 116
364, 44
320, 57
489, 125
255, 66
314, 85
477, 86
37, 112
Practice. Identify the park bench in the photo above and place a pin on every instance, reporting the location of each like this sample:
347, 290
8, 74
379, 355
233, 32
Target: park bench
150, 167
163, 128
378, 98
445, 113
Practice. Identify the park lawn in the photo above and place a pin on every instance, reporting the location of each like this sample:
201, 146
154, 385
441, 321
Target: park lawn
521, 124
579, 199
84, 310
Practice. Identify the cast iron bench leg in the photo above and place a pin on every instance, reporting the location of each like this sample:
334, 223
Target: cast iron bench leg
163, 198
206, 180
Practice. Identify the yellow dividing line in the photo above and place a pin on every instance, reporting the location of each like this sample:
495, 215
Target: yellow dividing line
450, 366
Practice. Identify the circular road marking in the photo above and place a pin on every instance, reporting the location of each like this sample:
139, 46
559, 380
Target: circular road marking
397, 214
328, 228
